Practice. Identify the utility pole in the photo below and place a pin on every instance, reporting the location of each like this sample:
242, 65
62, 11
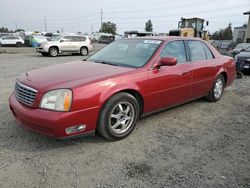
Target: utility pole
91, 29
101, 19
45, 24
16, 24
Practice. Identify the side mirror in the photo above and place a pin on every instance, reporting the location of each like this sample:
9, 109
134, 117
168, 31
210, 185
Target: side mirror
168, 61
62, 40
165, 61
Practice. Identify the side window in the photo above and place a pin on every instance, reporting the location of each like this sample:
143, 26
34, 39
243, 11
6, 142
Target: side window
67, 39
197, 51
208, 52
82, 39
175, 49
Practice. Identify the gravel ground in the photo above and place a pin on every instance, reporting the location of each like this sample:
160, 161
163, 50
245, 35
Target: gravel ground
199, 144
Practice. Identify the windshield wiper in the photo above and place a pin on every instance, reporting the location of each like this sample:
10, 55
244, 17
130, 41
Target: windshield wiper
104, 62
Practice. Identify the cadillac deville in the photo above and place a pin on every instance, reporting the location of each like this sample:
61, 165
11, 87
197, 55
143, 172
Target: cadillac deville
108, 92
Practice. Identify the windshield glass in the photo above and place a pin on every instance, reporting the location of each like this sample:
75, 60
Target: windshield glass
128, 53
247, 49
57, 38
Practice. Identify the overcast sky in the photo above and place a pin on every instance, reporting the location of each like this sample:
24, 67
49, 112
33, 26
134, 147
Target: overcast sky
80, 15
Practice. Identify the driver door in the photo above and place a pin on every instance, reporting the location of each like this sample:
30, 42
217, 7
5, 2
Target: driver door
170, 85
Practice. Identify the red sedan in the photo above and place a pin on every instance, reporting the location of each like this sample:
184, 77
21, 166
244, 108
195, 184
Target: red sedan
113, 88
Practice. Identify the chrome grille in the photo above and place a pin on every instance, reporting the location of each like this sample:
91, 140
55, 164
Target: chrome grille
25, 94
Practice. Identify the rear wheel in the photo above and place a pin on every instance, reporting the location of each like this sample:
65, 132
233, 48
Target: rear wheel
18, 44
118, 116
84, 51
53, 51
216, 92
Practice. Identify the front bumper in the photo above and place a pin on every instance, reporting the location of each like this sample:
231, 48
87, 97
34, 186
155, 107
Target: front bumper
40, 50
52, 123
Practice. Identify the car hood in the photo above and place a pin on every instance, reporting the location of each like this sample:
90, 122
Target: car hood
69, 75
244, 55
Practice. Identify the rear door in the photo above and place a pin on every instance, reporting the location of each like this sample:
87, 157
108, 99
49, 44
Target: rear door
78, 42
204, 67
171, 85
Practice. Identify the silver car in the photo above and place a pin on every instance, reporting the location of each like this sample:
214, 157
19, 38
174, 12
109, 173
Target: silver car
66, 44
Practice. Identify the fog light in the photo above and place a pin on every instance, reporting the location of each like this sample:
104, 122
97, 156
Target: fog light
75, 129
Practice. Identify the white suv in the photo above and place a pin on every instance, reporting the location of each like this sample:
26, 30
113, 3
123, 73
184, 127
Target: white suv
11, 40
65, 44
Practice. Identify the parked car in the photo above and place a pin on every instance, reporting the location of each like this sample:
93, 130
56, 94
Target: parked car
66, 44
240, 47
243, 59
112, 89
11, 40
105, 39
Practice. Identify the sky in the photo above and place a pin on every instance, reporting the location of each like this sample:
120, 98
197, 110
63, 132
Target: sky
85, 16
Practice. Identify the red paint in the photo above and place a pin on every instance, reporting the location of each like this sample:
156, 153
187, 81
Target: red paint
93, 83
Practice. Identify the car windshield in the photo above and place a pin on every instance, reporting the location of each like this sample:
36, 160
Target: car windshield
127, 53
242, 46
247, 49
57, 38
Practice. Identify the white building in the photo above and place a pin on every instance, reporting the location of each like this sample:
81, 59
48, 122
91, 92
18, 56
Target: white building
239, 34
247, 35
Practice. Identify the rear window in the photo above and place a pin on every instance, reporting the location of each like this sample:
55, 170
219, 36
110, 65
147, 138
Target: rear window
207, 51
197, 51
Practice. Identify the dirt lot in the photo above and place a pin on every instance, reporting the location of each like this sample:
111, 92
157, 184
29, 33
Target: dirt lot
199, 144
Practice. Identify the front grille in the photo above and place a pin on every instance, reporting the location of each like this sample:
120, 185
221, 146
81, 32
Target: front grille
25, 94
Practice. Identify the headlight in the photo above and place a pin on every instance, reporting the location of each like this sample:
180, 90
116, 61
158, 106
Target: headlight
58, 100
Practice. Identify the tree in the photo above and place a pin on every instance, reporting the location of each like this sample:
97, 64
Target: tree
108, 27
19, 30
223, 34
149, 26
4, 30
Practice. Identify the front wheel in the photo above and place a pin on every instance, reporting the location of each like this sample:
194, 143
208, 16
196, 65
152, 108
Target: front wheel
53, 51
216, 92
118, 116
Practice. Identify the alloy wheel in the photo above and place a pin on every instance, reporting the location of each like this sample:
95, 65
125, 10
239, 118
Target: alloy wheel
121, 117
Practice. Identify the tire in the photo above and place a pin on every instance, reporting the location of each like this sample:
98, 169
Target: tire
216, 92
84, 51
44, 54
18, 44
53, 51
118, 116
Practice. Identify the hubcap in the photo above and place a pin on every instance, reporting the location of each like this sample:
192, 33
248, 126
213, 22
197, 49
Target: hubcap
121, 117
53, 52
84, 51
218, 88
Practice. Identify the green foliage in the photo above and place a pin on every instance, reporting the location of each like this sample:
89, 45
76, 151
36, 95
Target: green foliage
149, 26
223, 34
4, 30
19, 30
108, 27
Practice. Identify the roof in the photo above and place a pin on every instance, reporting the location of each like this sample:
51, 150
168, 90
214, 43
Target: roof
246, 13
166, 38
